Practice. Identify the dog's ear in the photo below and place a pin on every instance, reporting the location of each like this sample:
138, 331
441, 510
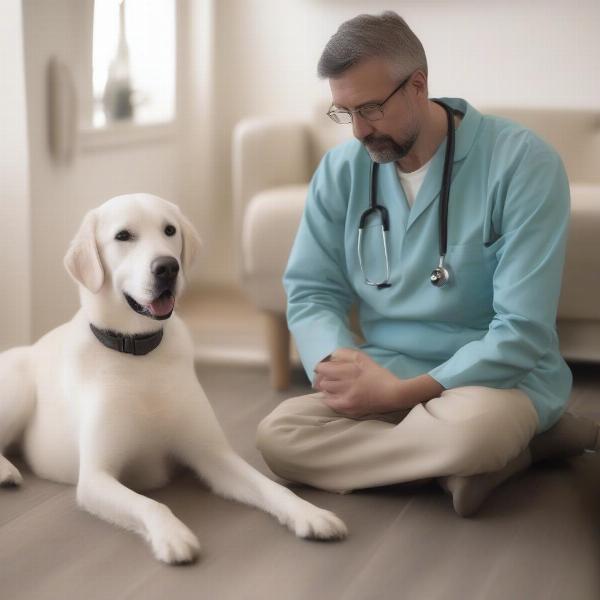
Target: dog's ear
191, 242
82, 260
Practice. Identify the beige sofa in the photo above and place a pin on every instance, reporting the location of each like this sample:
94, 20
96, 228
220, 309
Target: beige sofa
274, 158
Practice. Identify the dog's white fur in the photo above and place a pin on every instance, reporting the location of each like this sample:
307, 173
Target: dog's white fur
107, 421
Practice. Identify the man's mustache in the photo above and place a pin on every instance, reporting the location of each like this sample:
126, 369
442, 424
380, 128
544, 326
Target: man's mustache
370, 139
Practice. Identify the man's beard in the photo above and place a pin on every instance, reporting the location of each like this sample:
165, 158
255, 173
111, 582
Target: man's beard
383, 149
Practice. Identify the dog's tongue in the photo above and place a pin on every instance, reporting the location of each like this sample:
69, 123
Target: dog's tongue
163, 305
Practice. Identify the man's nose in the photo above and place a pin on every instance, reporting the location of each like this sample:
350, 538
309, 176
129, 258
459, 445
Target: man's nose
360, 126
165, 268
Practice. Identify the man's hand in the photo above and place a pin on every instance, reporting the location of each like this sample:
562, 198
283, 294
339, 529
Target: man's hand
353, 384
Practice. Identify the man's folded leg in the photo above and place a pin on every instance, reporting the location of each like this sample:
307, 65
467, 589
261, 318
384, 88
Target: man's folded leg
464, 432
571, 436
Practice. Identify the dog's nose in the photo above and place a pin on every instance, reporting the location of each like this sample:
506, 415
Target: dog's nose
165, 268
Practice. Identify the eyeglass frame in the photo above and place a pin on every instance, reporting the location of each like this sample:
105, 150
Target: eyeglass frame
370, 106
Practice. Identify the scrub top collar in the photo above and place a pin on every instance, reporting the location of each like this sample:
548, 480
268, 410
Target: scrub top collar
430, 189
467, 131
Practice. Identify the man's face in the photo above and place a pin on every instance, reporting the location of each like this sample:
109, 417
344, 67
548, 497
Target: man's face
370, 82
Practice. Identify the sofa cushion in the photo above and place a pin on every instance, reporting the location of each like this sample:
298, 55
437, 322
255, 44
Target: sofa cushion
580, 289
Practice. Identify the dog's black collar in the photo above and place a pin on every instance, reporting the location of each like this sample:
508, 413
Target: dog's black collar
137, 345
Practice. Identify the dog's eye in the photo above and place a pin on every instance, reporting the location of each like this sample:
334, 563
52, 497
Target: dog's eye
123, 236
170, 230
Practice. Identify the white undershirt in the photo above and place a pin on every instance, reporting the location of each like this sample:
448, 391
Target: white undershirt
411, 182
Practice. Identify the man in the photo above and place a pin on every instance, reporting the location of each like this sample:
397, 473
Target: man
454, 379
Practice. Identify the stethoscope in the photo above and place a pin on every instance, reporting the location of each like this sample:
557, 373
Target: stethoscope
440, 276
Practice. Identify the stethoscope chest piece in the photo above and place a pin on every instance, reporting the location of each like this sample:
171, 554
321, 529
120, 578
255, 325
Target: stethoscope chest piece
440, 276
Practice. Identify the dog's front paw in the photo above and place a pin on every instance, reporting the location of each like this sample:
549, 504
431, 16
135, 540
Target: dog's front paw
172, 542
315, 523
9, 474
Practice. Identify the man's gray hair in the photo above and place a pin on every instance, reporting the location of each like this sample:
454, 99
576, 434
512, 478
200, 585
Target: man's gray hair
370, 36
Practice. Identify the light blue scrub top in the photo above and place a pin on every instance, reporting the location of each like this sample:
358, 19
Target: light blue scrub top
494, 325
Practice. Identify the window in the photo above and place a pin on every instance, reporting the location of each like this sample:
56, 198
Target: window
133, 61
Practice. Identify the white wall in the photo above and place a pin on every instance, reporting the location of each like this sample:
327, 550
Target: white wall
199, 134
491, 52
14, 191
506, 52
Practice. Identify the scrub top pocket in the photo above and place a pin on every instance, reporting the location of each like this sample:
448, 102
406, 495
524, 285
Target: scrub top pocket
472, 280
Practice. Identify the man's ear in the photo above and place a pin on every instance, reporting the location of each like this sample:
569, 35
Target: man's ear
82, 260
191, 242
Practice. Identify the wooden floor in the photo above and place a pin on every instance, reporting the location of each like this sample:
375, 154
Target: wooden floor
536, 538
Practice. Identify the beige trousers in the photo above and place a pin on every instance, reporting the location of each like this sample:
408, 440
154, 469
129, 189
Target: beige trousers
465, 431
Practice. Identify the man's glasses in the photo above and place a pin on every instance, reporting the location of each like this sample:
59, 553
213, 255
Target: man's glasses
370, 112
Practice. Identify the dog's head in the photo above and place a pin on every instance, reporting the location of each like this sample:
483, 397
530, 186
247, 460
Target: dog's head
137, 248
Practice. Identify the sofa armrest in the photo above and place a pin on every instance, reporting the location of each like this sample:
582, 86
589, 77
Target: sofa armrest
267, 152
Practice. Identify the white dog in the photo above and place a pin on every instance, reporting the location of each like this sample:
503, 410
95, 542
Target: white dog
110, 399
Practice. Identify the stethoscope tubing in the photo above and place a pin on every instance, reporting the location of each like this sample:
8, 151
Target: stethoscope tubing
446, 180
440, 275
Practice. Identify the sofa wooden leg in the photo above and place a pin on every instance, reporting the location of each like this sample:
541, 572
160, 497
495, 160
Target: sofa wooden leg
278, 341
